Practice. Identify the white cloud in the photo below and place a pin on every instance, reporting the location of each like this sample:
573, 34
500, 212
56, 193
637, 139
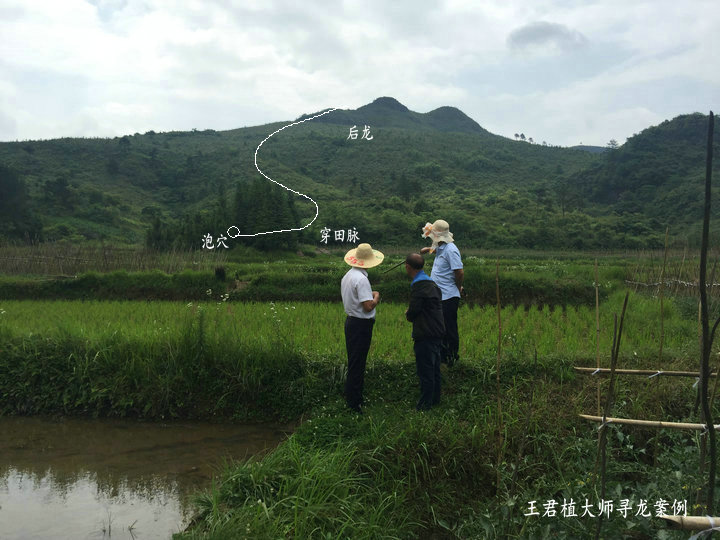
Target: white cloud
110, 67
543, 35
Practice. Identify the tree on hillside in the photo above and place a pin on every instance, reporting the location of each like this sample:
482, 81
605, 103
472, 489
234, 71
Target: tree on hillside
260, 207
407, 188
157, 237
16, 218
517, 136
124, 143
613, 144
240, 206
113, 167
522, 136
58, 192
530, 140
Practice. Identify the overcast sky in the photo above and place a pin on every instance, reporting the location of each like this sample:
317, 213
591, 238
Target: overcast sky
560, 71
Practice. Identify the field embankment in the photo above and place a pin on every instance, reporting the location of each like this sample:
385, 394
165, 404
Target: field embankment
548, 282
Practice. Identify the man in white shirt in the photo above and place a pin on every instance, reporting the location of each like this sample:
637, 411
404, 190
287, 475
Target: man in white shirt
359, 301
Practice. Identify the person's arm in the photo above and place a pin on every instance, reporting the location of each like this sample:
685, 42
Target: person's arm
414, 308
457, 267
369, 305
459, 277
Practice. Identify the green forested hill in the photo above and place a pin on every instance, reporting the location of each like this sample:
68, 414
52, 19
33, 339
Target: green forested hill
169, 189
657, 176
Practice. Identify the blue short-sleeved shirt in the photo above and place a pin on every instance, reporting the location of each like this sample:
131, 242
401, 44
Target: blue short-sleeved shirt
447, 260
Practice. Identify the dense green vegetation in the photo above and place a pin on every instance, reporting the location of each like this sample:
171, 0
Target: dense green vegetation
171, 189
391, 472
523, 281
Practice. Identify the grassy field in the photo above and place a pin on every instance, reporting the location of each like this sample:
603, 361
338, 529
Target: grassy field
315, 329
460, 471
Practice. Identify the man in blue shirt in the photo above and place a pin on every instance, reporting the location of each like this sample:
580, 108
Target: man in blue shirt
447, 271
425, 312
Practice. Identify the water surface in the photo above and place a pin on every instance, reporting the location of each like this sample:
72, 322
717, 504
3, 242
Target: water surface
77, 478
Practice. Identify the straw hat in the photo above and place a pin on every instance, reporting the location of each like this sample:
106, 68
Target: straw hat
438, 231
364, 256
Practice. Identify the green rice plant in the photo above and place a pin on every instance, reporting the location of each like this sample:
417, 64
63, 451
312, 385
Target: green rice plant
300, 493
70, 259
391, 471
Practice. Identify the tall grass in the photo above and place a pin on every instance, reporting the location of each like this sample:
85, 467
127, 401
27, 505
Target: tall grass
65, 259
301, 492
150, 360
392, 472
316, 329
220, 358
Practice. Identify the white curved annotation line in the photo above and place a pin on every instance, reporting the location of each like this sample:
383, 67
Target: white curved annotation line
317, 209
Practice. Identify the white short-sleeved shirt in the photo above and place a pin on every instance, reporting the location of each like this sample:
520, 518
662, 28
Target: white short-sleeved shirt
355, 289
446, 262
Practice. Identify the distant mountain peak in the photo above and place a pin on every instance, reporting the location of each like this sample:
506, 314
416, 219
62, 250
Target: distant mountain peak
446, 110
453, 119
387, 103
390, 113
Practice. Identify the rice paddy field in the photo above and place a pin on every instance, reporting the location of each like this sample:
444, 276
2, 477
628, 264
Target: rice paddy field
505, 455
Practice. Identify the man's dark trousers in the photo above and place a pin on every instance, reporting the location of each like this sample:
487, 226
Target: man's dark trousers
451, 341
427, 362
358, 335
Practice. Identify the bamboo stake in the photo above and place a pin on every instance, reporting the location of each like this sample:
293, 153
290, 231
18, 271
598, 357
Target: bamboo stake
712, 339
644, 372
715, 387
712, 276
497, 372
636, 273
602, 443
680, 271
648, 423
530, 410
597, 330
703, 460
602, 433
705, 359
651, 273
662, 295
700, 344
691, 523
524, 439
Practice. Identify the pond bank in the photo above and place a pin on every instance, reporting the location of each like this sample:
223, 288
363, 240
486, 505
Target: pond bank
72, 478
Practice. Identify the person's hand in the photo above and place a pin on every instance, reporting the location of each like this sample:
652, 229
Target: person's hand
462, 291
376, 297
425, 250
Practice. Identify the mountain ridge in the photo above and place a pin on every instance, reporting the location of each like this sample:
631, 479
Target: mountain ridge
494, 191
387, 111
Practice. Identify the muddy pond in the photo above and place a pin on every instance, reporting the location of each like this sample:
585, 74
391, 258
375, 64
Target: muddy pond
114, 479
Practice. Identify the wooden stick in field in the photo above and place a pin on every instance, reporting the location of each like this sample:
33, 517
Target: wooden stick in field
691, 523
597, 330
602, 442
497, 371
648, 423
662, 296
707, 339
644, 372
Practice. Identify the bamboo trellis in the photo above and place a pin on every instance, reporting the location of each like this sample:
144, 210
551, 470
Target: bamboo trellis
646, 372
648, 423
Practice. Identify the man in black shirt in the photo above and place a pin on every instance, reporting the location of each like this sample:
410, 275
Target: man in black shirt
425, 312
